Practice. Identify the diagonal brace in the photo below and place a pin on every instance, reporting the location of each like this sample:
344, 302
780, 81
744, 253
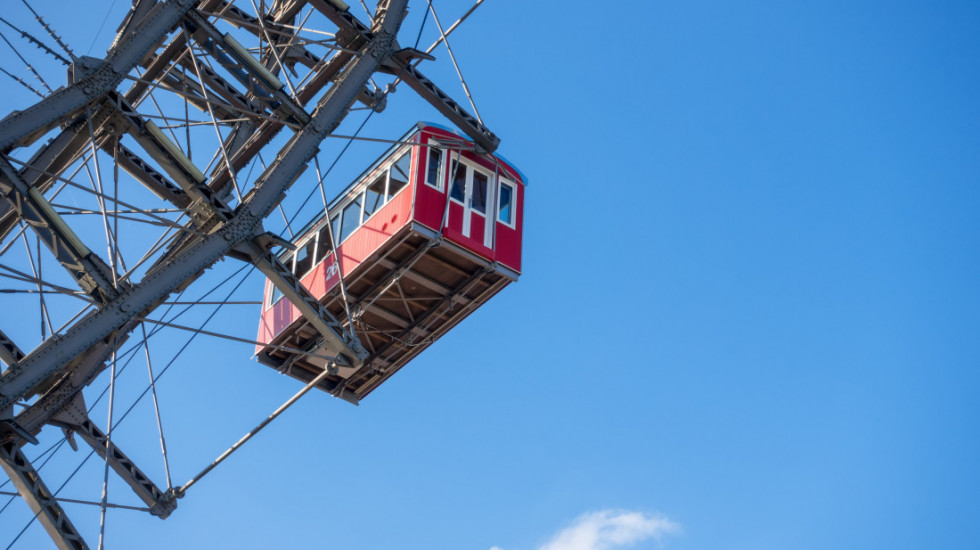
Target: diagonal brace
40, 499
88, 270
337, 341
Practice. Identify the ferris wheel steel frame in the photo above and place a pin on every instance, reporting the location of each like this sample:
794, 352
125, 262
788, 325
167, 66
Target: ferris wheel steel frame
92, 114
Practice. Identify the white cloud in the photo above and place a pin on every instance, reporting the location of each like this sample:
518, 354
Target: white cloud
608, 529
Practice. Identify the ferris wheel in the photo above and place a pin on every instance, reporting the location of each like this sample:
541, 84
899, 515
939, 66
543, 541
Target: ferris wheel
125, 188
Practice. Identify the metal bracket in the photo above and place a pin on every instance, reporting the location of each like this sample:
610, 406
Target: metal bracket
340, 342
146, 490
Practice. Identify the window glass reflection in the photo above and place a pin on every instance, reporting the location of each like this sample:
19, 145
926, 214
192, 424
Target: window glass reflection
323, 244
478, 201
351, 218
399, 174
374, 196
433, 170
458, 190
505, 209
304, 259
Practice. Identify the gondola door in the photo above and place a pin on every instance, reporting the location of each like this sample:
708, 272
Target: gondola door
472, 192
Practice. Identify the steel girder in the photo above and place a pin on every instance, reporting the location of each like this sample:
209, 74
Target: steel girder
40, 117
339, 340
40, 499
68, 146
160, 503
89, 271
93, 113
56, 353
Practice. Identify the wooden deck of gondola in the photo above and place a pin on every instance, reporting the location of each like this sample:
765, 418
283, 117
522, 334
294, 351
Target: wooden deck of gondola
413, 290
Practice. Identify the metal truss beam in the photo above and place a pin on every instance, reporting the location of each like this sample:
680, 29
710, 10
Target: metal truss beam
34, 121
40, 499
399, 65
53, 158
255, 139
259, 81
204, 207
61, 397
297, 53
236, 100
9, 352
337, 340
159, 502
480, 134
54, 354
156, 182
285, 10
64, 406
88, 270
233, 106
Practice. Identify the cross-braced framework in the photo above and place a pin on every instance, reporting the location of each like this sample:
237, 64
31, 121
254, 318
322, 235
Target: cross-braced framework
255, 84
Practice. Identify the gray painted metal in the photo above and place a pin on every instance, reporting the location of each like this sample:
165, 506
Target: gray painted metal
90, 271
160, 503
40, 499
439, 99
9, 351
55, 354
91, 111
123, 56
340, 342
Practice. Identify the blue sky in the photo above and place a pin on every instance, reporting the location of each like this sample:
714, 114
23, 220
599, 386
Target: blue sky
748, 316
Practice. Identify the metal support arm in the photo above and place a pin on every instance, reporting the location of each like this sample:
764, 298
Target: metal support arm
37, 119
40, 499
54, 354
339, 342
88, 270
160, 504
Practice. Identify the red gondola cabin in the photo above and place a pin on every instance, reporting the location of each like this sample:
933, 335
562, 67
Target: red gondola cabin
424, 237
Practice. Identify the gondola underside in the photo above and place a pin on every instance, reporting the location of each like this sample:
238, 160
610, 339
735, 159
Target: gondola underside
410, 292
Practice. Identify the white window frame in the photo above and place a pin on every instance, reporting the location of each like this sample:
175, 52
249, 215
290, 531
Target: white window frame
395, 158
291, 265
449, 179
467, 204
312, 257
512, 223
443, 170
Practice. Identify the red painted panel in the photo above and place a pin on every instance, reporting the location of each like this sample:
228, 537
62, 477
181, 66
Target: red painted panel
363, 242
478, 226
425, 205
430, 203
455, 221
508, 243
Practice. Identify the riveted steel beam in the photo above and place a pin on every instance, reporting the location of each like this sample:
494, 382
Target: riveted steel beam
259, 81
256, 138
88, 270
25, 126
399, 65
439, 99
9, 351
60, 394
54, 354
40, 499
203, 205
159, 503
235, 99
337, 341
156, 182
